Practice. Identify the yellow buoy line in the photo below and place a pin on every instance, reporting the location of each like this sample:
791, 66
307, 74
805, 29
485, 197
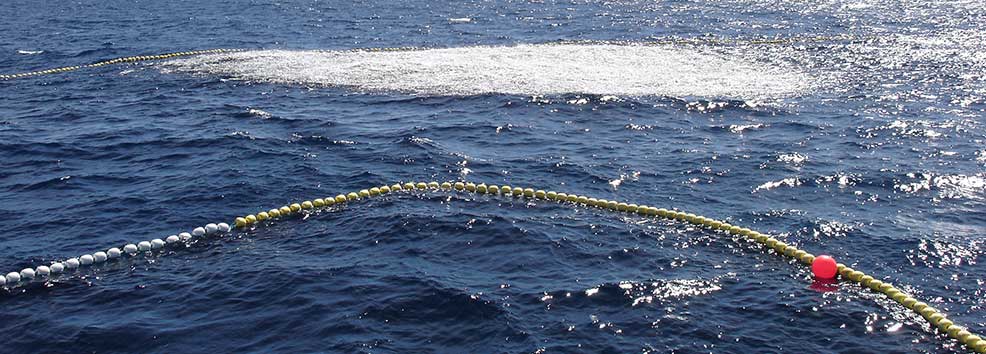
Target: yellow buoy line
121, 60
670, 41
935, 318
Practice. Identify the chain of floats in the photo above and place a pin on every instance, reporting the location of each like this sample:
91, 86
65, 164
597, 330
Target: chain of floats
672, 41
935, 318
122, 60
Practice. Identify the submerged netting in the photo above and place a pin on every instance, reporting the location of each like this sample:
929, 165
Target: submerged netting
772, 245
746, 78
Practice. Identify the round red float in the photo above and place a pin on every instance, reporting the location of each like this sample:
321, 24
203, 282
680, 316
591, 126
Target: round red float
824, 267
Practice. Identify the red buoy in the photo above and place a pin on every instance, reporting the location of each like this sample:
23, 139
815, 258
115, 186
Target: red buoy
824, 267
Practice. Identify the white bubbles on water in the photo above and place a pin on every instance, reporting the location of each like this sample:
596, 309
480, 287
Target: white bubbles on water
794, 158
529, 69
947, 186
786, 182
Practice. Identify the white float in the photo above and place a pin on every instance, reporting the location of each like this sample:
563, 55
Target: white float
13, 277
27, 273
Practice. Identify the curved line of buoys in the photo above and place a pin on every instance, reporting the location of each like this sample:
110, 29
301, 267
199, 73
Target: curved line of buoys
671, 41
937, 319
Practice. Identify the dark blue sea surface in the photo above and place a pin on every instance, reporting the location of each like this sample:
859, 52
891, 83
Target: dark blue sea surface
859, 133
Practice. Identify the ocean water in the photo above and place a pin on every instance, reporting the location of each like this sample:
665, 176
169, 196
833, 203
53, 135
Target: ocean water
852, 128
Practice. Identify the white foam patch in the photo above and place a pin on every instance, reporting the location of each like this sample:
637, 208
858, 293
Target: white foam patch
541, 69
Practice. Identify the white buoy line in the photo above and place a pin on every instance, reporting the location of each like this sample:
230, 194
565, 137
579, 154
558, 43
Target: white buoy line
26, 275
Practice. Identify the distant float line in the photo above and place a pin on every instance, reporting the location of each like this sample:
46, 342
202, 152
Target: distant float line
669, 41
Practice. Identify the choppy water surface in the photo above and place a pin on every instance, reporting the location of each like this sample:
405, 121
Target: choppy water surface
858, 134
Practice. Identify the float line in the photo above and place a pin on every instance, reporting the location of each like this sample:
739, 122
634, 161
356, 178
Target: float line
935, 318
672, 41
